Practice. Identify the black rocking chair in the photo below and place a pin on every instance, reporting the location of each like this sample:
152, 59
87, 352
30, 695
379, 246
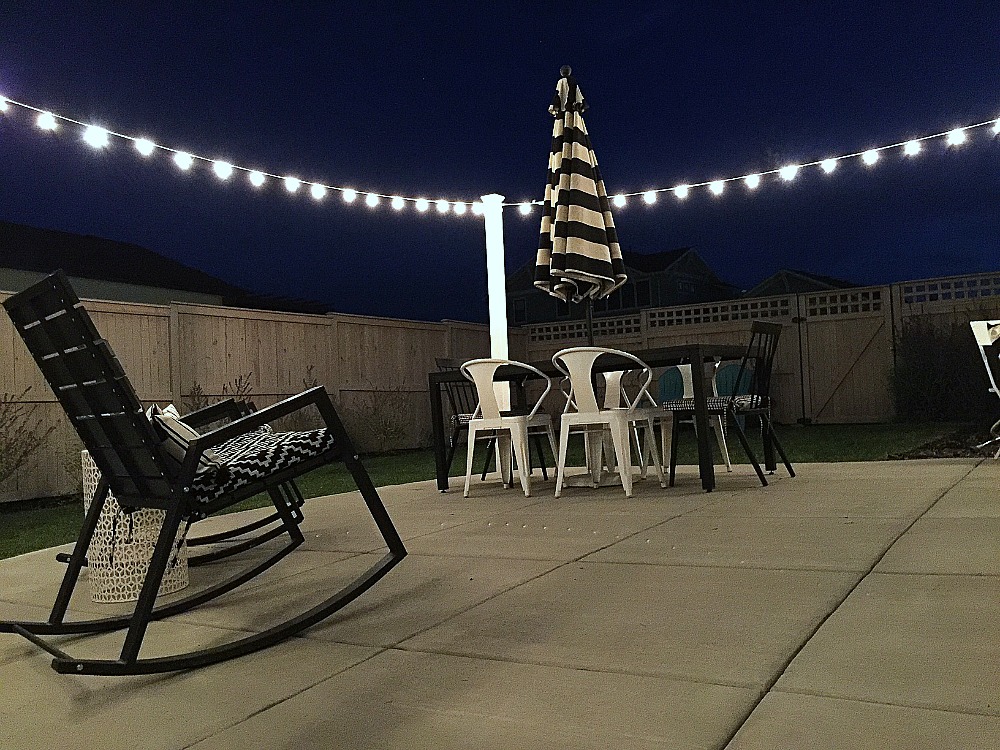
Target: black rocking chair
102, 406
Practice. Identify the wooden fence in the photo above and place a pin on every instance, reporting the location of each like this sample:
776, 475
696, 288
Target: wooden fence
834, 363
837, 351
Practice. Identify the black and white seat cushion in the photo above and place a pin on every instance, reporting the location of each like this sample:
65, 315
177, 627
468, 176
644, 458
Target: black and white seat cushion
257, 455
718, 403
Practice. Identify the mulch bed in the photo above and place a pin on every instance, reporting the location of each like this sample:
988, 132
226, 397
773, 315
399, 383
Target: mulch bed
958, 444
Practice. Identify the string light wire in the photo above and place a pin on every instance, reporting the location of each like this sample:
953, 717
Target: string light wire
99, 137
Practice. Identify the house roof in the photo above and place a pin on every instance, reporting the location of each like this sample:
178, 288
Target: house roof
653, 262
29, 248
792, 281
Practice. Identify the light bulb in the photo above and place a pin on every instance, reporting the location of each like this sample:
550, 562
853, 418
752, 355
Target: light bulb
649, 196
144, 146
752, 181
371, 199
911, 148
460, 208
222, 169
256, 178
619, 201
717, 186
442, 206
423, 204
956, 137
4, 106
317, 191
996, 127
524, 208
183, 160
828, 165
95, 136
869, 157
681, 191
46, 121
349, 195
292, 184
478, 208
398, 202
788, 172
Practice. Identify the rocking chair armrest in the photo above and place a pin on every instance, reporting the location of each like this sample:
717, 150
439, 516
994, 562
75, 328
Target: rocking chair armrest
313, 396
228, 409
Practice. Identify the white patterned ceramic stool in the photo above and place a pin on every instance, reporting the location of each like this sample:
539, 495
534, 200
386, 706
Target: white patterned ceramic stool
122, 546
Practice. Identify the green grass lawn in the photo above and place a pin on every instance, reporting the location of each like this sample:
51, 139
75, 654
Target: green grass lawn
43, 525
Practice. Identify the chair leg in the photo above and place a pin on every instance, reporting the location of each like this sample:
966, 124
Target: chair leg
719, 427
765, 437
749, 451
470, 453
650, 446
623, 453
561, 461
781, 451
536, 440
519, 444
79, 557
674, 434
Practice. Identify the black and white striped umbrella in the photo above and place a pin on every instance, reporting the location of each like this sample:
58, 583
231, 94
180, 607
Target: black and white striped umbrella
578, 253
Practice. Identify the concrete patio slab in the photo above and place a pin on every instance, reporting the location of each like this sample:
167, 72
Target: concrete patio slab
785, 720
408, 701
855, 605
717, 625
755, 542
909, 640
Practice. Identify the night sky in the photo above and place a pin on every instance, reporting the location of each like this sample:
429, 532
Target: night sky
442, 100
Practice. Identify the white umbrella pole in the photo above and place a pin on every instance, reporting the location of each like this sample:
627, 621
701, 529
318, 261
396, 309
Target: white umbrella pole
496, 284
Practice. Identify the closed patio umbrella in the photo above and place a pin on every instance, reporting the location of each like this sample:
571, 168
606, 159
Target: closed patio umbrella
578, 253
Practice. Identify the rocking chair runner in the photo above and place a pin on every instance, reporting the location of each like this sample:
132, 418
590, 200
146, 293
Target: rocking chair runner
96, 394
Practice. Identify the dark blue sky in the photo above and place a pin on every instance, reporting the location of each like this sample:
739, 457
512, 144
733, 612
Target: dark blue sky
442, 100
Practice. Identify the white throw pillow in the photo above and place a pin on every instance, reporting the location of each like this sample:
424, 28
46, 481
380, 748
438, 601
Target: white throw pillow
177, 437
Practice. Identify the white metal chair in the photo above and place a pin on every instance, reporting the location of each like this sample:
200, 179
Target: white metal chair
509, 428
987, 332
583, 410
684, 404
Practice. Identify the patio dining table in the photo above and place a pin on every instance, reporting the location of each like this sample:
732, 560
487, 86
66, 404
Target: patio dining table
662, 356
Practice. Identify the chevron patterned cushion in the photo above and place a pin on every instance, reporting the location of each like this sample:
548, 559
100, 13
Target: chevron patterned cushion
718, 403
257, 455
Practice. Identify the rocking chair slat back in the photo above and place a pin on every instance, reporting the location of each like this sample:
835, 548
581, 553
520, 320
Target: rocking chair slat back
91, 386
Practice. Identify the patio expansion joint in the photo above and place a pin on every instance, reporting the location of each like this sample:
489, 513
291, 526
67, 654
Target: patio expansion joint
896, 704
272, 704
769, 687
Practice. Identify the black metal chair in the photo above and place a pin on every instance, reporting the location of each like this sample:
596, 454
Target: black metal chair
102, 406
755, 401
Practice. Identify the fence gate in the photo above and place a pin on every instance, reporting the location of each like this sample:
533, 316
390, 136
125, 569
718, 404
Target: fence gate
845, 342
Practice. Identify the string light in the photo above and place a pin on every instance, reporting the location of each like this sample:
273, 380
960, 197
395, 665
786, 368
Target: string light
144, 146
787, 173
95, 136
223, 169
99, 137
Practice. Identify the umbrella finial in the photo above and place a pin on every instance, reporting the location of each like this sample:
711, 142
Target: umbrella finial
565, 71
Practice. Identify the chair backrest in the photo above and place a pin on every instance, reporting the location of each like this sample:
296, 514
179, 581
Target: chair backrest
577, 363
755, 368
482, 373
462, 395
677, 382
94, 391
987, 333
